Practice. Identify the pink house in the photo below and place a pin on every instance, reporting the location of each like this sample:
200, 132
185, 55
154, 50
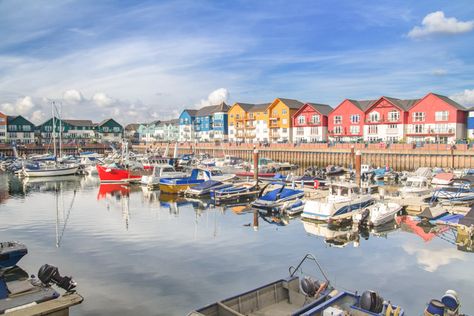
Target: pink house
310, 123
346, 121
436, 118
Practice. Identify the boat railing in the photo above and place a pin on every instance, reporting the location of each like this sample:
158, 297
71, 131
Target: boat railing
308, 257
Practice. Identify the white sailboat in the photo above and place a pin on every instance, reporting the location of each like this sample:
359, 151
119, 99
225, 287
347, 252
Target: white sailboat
55, 169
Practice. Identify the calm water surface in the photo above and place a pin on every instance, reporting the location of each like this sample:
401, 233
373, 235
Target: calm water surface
134, 254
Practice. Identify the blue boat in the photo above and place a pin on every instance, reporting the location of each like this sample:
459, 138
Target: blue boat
177, 185
275, 198
206, 188
10, 253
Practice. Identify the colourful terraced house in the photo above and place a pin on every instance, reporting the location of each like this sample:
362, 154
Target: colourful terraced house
280, 123
436, 118
186, 125
310, 123
109, 130
3, 128
386, 119
20, 130
71, 130
248, 122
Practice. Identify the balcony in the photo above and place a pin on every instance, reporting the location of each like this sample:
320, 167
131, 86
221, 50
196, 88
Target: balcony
250, 127
240, 127
431, 132
249, 135
382, 120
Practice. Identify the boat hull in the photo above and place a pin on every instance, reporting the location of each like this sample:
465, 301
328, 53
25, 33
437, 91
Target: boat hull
51, 172
175, 188
325, 212
115, 175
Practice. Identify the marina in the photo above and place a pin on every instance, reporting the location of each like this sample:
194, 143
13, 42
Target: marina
188, 230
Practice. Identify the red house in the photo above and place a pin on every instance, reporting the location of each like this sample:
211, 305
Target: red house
310, 123
436, 118
346, 121
386, 119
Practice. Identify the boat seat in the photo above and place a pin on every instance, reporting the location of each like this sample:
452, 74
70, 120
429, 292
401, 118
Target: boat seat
224, 310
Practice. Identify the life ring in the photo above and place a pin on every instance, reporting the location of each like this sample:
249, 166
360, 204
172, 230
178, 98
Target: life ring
316, 184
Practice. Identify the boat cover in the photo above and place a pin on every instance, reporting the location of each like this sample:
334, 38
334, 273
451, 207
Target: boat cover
280, 193
445, 176
206, 185
423, 172
468, 219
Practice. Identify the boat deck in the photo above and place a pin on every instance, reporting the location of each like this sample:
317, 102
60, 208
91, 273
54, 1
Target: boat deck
282, 308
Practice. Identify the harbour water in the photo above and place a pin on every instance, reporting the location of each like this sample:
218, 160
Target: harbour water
134, 252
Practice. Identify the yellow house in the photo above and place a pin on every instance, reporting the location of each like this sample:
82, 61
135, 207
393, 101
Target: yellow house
280, 123
248, 122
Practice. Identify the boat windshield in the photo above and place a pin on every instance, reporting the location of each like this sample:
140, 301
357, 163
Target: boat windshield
216, 172
168, 169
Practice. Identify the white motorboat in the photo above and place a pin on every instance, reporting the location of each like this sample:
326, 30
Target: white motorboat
161, 171
343, 200
381, 213
217, 175
415, 186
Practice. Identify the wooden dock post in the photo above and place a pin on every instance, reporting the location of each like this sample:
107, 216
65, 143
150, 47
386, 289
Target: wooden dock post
352, 156
255, 219
255, 164
358, 162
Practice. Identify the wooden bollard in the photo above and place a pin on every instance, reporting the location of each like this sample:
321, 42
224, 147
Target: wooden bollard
255, 164
255, 220
358, 162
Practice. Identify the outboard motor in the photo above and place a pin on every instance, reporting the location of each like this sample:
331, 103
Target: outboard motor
309, 287
451, 302
371, 301
50, 274
435, 307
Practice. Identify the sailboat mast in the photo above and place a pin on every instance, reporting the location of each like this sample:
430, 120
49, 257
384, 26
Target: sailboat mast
54, 130
60, 131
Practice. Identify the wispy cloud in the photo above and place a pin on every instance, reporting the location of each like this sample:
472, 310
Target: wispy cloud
438, 23
465, 98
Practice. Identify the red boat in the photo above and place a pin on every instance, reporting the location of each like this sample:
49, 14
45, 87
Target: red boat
260, 174
108, 174
113, 189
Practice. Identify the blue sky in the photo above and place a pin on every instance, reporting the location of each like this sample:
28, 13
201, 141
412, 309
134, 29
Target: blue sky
140, 61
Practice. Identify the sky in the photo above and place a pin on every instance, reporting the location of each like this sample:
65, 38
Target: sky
139, 61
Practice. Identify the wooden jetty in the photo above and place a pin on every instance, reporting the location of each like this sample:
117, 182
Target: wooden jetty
56, 307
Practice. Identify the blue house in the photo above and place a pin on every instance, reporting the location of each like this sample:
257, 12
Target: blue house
470, 123
187, 125
211, 122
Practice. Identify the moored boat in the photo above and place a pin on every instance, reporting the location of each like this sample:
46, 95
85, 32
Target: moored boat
161, 171
273, 199
206, 188
381, 213
177, 185
116, 173
415, 186
51, 170
239, 190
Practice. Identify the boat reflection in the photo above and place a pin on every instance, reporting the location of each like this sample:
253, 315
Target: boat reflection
425, 230
117, 193
339, 237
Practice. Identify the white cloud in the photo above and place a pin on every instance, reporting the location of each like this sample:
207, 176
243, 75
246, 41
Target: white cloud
37, 117
439, 72
102, 99
438, 23
216, 97
431, 259
22, 106
465, 98
8, 108
73, 96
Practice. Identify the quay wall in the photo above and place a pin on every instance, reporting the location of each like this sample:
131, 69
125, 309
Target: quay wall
400, 159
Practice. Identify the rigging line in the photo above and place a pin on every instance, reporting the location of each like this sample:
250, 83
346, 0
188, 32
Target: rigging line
66, 219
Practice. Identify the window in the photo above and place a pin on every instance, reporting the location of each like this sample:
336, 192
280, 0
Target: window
48, 128
284, 121
26, 135
116, 129
355, 130
26, 128
441, 116
283, 112
393, 116
374, 117
418, 128
251, 115
419, 117
337, 119
284, 130
275, 112
373, 129
301, 119
314, 130
315, 119
232, 116
338, 130
231, 123
392, 126
12, 128
105, 129
355, 118
300, 131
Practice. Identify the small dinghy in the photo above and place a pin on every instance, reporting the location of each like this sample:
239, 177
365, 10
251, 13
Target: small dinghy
32, 296
273, 199
381, 213
460, 192
334, 170
299, 295
206, 188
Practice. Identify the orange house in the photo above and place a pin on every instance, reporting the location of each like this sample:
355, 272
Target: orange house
248, 122
280, 113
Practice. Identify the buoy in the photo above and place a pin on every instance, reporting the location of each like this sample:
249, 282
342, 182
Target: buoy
316, 184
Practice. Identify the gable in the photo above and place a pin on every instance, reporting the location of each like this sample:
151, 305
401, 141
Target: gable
436, 101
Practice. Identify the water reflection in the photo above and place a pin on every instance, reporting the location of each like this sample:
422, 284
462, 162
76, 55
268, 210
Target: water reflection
133, 250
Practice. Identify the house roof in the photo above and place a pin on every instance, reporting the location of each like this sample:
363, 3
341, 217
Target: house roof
87, 123
211, 109
191, 112
403, 104
363, 104
324, 109
245, 106
292, 103
11, 119
451, 102
132, 126
105, 121
259, 107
